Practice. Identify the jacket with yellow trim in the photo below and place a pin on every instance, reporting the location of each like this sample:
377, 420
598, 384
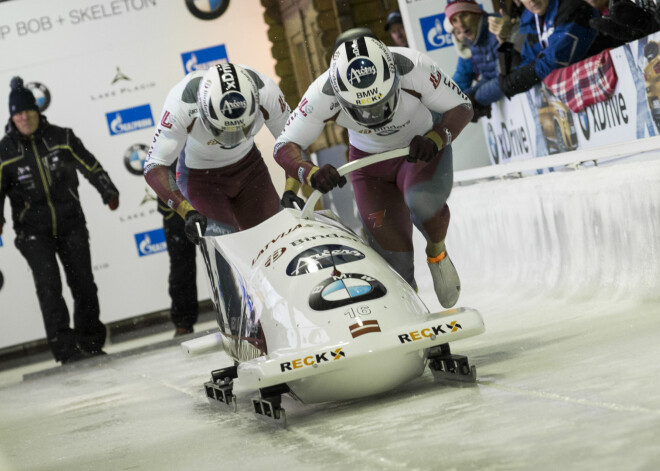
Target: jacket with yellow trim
38, 175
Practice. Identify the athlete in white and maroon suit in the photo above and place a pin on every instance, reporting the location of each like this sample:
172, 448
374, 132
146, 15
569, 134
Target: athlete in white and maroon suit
385, 98
209, 121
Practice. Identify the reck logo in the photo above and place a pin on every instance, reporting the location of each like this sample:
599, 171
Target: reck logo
429, 332
312, 360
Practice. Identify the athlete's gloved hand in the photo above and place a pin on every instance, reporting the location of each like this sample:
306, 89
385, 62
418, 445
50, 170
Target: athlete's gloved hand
422, 148
290, 200
326, 178
192, 219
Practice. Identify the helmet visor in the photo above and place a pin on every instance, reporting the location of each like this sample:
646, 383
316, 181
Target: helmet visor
376, 114
233, 136
230, 136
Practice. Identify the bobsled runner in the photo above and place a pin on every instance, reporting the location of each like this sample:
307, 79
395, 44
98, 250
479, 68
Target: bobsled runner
306, 308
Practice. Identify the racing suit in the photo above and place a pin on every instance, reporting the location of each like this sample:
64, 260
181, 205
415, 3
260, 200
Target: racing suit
38, 175
393, 195
230, 186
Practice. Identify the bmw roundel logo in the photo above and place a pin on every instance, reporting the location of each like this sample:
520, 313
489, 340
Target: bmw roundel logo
41, 94
492, 144
361, 73
134, 158
233, 105
347, 288
207, 9
584, 124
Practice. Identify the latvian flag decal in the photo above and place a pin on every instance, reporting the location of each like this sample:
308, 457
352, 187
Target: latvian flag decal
364, 327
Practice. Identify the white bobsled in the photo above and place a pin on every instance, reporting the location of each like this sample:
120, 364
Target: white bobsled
306, 307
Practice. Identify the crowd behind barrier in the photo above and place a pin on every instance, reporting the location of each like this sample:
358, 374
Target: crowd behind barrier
609, 98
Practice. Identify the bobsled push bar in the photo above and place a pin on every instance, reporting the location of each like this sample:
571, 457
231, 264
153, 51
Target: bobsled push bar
308, 210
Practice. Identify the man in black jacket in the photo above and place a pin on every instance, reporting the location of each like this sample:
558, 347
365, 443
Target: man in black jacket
38, 163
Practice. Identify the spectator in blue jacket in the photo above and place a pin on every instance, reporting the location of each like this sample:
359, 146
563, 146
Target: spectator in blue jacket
470, 23
557, 35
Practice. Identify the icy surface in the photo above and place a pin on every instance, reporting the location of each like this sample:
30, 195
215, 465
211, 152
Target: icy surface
564, 269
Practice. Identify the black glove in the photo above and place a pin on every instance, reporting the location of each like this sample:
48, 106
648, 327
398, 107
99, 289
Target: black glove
290, 200
422, 148
479, 110
628, 21
519, 80
192, 219
326, 178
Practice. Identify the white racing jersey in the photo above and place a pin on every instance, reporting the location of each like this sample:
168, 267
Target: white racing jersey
179, 125
424, 88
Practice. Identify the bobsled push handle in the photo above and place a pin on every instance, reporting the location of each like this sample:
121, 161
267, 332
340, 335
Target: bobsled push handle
308, 210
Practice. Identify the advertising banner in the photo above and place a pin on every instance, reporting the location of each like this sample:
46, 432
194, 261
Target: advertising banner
104, 69
536, 123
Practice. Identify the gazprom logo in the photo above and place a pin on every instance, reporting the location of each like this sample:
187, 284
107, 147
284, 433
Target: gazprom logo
204, 58
361, 73
149, 243
433, 31
130, 119
233, 105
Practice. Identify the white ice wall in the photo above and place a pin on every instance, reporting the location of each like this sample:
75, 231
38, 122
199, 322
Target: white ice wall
593, 232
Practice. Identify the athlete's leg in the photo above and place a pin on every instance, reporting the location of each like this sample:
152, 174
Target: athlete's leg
384, 214
257, 199
426, 187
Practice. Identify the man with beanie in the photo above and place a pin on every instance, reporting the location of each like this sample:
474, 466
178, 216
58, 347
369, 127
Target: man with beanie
38, 164
394, 26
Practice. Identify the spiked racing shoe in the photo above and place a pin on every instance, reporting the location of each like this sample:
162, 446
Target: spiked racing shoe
446, 282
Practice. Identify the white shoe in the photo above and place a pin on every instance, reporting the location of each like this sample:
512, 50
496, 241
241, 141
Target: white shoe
446, 282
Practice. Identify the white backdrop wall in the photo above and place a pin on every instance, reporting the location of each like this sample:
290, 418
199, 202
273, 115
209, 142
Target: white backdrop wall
99, 67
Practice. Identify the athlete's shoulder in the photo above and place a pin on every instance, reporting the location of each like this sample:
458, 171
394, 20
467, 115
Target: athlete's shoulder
186, 90
408, 61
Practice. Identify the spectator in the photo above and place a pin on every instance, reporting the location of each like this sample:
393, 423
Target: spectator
385, 98
557, 35
470, 22
465, 72
38, 164
624, 20
209, 122
604, 40
394, 25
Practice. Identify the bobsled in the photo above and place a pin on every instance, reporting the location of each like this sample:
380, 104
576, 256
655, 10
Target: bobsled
305, 307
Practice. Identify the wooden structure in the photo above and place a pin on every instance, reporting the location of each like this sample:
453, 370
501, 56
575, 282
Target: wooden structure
303, 33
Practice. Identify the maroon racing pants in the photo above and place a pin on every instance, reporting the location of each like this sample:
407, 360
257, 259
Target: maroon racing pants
240, 195
393, 195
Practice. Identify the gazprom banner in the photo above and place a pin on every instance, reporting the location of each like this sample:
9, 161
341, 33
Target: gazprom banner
104, 69
536, 123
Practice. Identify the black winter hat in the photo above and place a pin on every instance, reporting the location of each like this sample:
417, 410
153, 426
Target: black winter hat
393, 18
20, 98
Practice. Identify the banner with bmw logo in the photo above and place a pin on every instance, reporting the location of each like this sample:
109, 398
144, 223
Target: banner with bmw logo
104, 69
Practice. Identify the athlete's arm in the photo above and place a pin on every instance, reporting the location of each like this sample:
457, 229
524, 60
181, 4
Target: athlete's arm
169, 138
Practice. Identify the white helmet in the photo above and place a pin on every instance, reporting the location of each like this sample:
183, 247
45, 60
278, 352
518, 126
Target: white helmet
365, 81
228, 101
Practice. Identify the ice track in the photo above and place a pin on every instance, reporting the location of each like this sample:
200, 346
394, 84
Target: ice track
564, 268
